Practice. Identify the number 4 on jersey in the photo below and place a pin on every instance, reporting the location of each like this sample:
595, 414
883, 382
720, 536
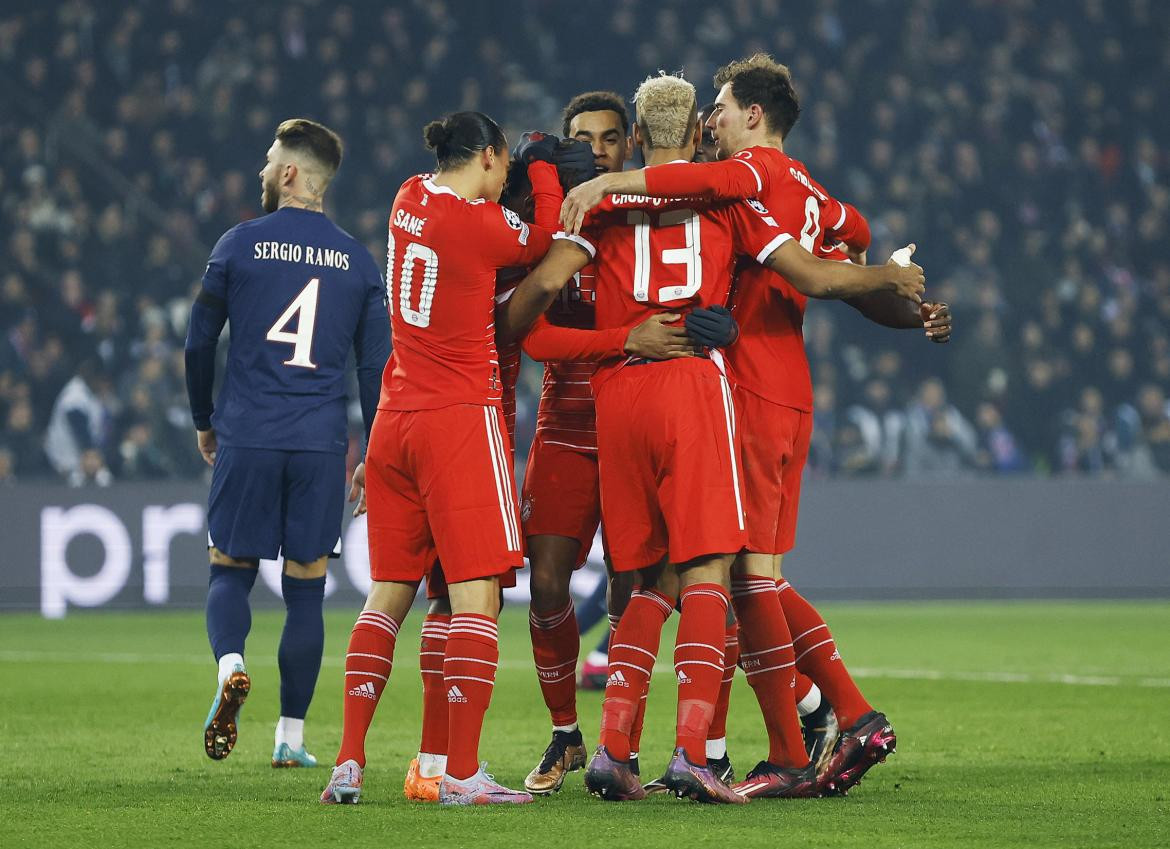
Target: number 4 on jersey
304, 306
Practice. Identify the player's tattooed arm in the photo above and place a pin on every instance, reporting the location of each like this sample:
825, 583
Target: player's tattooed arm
827, 279
537, 291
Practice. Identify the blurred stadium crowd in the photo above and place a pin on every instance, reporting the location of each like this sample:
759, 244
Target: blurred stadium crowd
1027, 153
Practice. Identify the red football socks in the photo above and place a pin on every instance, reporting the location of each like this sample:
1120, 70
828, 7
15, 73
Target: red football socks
639, 721
469, 673
368, 661
632, 653
718, 729
555, 646
432, 650
817, 656
698, 665
769, 666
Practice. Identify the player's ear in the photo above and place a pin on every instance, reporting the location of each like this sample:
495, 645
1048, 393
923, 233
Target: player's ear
635, 138
289, 176
629, 146
697, 135
754, 116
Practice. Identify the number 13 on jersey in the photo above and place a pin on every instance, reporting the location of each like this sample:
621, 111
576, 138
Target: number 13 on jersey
412, 255
687, 256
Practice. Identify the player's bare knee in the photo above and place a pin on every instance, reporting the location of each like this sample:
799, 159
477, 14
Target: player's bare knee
708, 569
218, 558
480, 596
306, 571
550, 590
392, 598
751, 564
621, 587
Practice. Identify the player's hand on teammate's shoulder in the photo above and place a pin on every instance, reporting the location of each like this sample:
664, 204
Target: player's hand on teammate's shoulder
657, 338
207, 445
357, 489
936, 318
906, 276
581, 199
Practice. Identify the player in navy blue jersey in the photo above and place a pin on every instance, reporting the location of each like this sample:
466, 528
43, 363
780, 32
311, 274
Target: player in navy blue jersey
300, 294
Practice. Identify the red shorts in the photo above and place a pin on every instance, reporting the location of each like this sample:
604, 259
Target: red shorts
669, 463
775, 447
439, 484
561, 494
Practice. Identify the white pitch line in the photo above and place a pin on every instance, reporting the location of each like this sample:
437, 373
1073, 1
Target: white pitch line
991, 677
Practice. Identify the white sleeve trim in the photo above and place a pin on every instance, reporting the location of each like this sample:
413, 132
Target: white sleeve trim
755, 173
844, 213
771, 246
581, 241
501, 297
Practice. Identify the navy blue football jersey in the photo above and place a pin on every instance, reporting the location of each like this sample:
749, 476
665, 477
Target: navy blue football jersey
299, 293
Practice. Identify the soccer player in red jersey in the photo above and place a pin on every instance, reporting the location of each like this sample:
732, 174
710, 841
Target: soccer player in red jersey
560, 503
667, 445
438, 477
533, 191
755, 109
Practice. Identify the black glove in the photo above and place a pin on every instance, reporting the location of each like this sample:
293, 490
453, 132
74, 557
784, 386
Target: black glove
712, 327
574, 161
533, 146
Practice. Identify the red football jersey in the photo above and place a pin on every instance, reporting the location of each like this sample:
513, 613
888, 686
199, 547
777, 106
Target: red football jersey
769, 358
656, 255
566, 415
442, 256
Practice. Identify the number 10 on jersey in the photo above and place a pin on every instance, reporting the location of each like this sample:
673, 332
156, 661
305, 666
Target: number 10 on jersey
412, 255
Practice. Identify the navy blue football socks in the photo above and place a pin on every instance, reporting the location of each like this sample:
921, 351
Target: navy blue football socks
229, 616
301, 643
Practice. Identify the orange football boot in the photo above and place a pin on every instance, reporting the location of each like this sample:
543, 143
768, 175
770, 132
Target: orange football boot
419, 789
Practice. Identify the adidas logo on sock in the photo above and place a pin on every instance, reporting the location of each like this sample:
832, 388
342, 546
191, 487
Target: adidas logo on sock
365, 691
617, 680
682, 677
456, 695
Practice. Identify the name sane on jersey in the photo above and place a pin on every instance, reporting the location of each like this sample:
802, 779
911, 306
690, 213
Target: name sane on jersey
289, 252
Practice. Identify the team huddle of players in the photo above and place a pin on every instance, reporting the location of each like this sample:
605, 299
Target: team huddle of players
676, 413
686, 435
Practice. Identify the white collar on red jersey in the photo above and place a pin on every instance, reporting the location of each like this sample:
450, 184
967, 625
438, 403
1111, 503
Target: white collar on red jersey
430, 186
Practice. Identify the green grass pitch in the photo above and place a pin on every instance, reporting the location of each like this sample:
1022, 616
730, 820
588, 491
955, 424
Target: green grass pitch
1027, 725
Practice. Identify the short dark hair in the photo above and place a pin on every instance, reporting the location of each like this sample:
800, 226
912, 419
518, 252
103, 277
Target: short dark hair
309, 137
459, 136
596, 101
762, 80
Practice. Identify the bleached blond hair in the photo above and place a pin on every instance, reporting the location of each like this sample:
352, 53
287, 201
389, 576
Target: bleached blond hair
667, 109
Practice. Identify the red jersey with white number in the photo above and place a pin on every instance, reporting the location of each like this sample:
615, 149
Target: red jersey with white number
442, 256
656, 256
566, 415
769, 359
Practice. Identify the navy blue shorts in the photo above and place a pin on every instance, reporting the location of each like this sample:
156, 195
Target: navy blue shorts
265, 503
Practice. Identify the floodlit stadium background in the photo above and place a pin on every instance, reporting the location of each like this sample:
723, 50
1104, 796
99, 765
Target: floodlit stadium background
1025, 151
